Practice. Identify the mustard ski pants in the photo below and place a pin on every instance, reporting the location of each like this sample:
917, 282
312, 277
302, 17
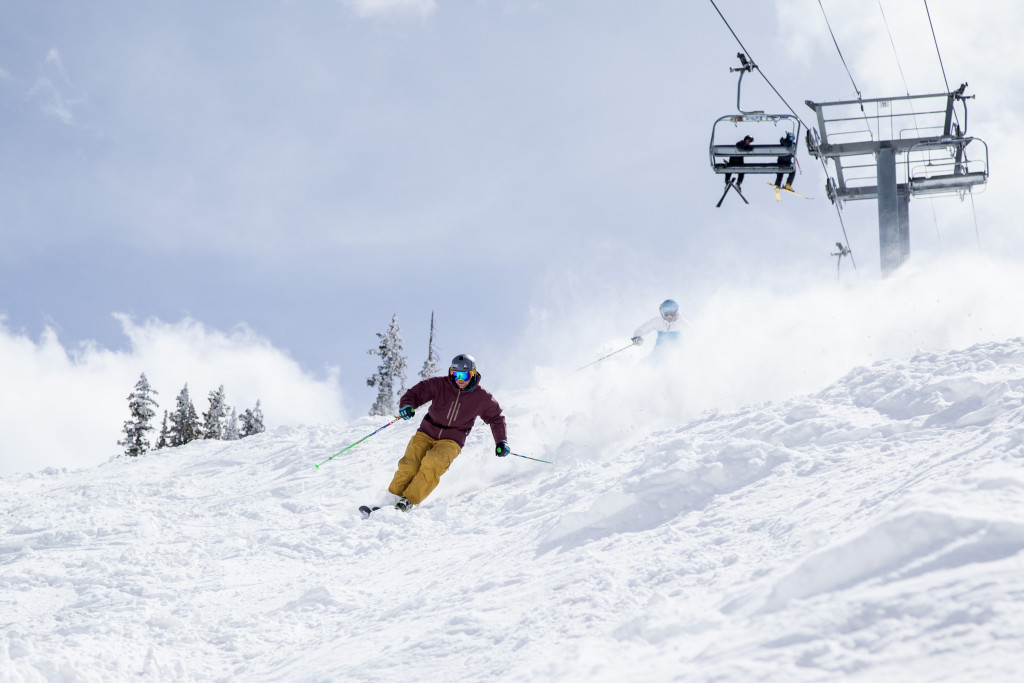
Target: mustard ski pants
420, 469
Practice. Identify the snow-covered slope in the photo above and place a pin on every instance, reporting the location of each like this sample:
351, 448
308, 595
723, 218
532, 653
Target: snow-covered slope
872, 531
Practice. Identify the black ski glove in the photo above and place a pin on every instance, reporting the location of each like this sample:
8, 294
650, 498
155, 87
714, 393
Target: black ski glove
502, 449
405, 412
637, 340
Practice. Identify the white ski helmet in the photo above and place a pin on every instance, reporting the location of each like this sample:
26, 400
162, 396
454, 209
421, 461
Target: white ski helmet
669, 307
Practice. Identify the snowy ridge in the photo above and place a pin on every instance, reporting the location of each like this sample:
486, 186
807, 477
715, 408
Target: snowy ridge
871, 531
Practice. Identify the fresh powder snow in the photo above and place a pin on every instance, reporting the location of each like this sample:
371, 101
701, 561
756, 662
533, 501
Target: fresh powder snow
869, 531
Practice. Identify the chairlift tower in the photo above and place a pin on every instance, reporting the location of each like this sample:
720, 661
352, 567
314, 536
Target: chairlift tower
891, 149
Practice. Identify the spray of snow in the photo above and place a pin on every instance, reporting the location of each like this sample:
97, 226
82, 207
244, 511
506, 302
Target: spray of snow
745, 345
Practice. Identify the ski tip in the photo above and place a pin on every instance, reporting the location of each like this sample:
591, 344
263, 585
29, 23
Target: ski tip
365, 510
316, 466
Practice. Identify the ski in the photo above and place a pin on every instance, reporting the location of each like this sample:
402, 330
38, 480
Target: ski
366, 510
727, 186
778, 195
733, 185
740, 193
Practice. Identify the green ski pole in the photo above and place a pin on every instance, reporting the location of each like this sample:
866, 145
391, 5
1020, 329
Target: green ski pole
357, 442
529, 458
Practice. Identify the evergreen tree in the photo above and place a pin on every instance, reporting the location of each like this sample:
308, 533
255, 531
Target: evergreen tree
252, 421
140, 404
231, 427
213, 419
163, 441
391, 370
257, 420
184, 421
430, 365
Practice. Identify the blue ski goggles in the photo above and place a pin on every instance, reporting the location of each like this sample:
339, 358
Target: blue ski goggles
462, 375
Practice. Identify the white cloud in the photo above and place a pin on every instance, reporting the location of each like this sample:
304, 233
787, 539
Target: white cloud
53, 103
369, 8
890, 47
50, 89
65, 407
53, 58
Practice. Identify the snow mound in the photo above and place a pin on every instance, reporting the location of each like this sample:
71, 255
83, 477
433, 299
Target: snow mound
870, 531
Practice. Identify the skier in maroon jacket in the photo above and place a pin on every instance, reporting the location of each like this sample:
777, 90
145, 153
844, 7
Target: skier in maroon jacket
455, 402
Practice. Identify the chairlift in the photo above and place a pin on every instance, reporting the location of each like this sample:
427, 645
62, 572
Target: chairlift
767, 154
951, 171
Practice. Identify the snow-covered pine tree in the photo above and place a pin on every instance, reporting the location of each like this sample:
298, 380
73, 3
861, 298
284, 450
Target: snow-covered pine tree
252, 421
213, 419
244, 423
231, 427
430, 365
390, 372
184, 421
140, 404
257, 420
163, 441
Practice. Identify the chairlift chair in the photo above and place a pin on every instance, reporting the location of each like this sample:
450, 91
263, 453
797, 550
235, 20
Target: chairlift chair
770, 128
951, 171
763, 158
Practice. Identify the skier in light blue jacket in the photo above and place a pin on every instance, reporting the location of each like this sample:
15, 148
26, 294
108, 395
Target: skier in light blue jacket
664, 324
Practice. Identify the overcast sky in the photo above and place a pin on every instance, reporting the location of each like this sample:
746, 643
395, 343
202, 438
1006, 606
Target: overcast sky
244, 193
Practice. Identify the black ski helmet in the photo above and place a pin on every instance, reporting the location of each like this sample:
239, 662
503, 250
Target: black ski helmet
463, 363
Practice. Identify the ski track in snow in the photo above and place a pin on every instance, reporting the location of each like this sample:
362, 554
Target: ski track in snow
872, 531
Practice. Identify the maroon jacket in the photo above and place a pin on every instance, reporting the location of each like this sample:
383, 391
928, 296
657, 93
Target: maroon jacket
453, 411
